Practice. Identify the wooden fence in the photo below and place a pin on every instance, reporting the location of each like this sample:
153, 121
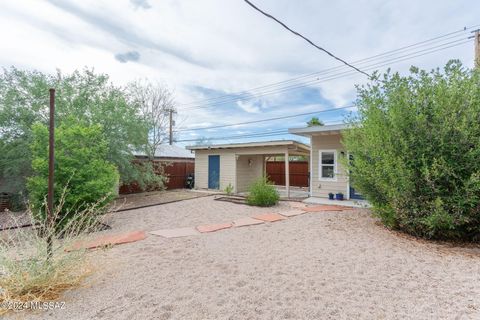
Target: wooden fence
299, 173
176, 172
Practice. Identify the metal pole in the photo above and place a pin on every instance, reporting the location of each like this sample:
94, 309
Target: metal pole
51, 168
171, 127
477, 49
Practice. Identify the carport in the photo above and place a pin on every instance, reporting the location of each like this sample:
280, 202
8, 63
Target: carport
239, 164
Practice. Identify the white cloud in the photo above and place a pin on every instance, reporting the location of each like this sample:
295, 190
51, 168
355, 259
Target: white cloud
224, 45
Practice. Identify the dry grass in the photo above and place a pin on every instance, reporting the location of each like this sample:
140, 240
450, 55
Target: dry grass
33, 271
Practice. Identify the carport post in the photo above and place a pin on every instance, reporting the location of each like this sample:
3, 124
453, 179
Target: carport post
287, 174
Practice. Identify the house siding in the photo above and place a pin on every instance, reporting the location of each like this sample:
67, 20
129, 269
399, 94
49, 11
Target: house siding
321, 188
227, 168
232, 171
247, 174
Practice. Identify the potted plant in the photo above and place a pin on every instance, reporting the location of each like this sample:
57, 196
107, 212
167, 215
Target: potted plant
339, 196
330, 196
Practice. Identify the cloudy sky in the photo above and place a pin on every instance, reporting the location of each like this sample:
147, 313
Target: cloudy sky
229, 64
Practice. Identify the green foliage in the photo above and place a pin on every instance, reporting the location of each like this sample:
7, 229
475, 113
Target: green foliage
229, 189
314, 122
82, 97
416, 147
262, 193
81, 170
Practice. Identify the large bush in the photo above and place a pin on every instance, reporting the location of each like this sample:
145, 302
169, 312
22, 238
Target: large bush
262, 193
89, 98
81, 170
416, 149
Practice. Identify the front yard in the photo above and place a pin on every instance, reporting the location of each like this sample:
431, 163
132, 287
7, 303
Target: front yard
319, 265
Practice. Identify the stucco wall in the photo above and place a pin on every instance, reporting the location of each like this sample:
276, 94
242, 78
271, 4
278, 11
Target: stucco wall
227, 168
247, 174
322, 188
228, 165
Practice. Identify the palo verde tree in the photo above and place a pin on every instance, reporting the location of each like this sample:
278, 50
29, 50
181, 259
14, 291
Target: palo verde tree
416, 149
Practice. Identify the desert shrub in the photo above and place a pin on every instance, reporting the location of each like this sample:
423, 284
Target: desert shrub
33, 271
262, 193
416, 149
229, 189
81, 169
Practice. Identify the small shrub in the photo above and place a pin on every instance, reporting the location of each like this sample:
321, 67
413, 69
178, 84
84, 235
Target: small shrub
262, 193
28, 272
229, 189
81, 169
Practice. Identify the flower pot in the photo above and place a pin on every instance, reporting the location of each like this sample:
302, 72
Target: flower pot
339, 196
330, 196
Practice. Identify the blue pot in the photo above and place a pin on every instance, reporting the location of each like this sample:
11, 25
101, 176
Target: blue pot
339, 196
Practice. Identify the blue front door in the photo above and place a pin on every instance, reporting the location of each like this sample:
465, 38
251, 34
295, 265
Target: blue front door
213, 172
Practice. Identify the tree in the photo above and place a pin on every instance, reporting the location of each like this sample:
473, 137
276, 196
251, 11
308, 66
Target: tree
82, 170
83, 97
415, 145
314, 122
155, 103
203, 141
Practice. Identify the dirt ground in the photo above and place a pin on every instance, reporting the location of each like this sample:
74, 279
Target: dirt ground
329, 265
135, 200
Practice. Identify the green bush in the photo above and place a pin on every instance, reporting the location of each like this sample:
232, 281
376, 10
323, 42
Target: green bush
416, 148
262, 193
81, 171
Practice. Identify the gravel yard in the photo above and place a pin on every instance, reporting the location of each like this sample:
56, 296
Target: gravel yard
328, 265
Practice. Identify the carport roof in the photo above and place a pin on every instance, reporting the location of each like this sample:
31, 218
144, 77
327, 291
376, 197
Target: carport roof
279, 143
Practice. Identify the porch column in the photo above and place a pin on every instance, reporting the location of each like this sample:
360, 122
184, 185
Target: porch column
287, 174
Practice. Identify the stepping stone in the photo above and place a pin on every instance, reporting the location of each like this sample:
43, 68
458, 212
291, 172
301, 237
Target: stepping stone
242, 222
176, 233
292, 213
269, 217
109, 240
326, 208
296, 204
213, 227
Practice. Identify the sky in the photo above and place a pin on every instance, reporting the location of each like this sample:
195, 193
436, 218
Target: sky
224, 61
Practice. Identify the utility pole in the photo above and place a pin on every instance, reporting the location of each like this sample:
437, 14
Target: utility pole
170, 112
51, 169
477, 48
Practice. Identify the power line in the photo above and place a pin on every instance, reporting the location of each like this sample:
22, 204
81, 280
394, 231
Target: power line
423, 42
306, 39
263, 120
330, 77
278, 118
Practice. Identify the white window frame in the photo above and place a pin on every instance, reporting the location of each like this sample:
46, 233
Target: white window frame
334, 151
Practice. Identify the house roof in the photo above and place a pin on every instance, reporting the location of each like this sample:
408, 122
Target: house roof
317, 130
253, 145
168, 151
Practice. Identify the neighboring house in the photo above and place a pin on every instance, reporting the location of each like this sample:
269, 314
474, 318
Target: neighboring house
169, 153
327, 175
177, 161
240, 164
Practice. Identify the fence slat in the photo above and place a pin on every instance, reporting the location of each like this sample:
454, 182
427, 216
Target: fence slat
299, 174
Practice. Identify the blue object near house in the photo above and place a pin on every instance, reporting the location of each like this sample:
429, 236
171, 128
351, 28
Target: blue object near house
214, 172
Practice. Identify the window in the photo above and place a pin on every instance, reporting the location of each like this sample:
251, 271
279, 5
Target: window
328, 164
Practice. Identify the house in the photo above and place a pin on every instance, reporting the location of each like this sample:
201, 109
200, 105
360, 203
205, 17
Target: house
239, 164
166, 152
176, 161
327, 175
